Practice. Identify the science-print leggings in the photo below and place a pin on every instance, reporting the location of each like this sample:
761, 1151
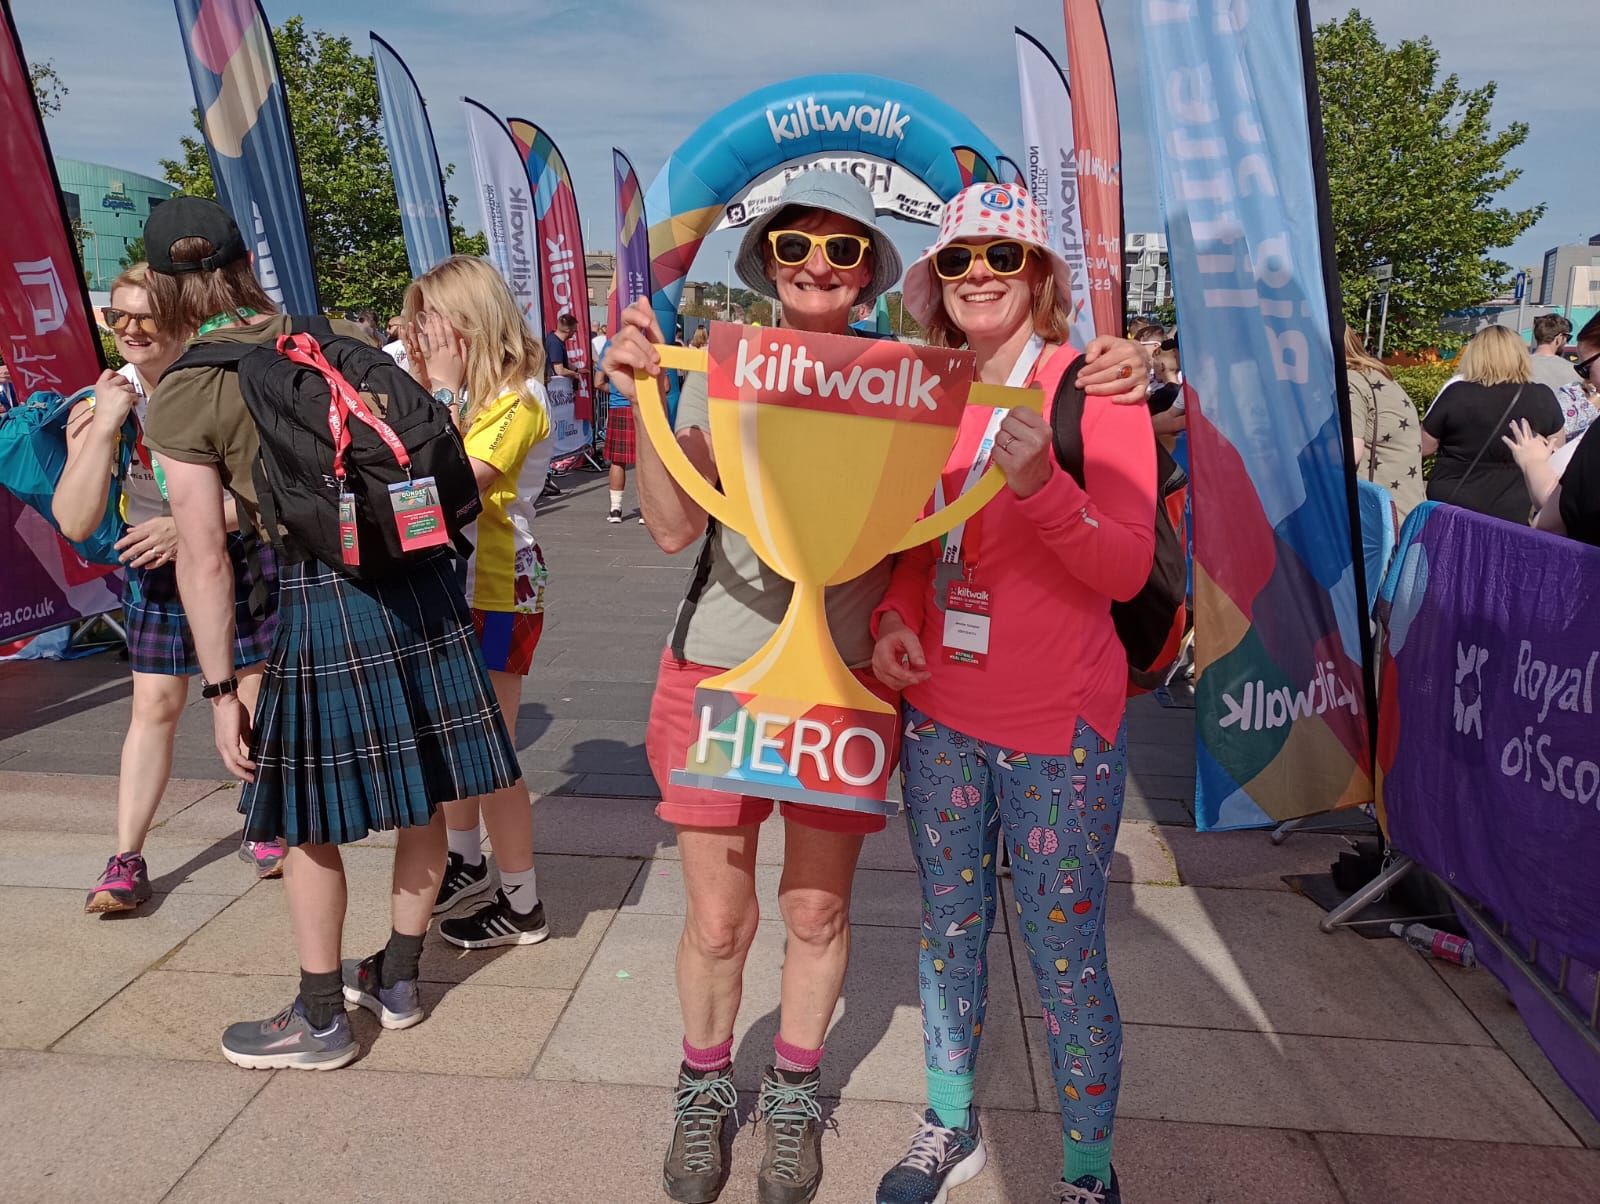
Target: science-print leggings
1059, 816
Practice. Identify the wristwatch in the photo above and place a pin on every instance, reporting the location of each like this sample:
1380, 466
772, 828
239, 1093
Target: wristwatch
216, 689
444, 397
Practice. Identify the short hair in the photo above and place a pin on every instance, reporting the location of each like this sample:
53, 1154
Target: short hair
135, 275
182, 303
1590, 334
1550, 328
1145, 330
1496, 356
566, 320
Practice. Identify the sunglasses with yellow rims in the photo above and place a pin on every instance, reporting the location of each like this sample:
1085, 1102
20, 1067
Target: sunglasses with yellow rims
792, 248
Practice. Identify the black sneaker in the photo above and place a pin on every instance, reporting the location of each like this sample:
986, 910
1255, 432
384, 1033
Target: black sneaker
614, 517
1089, 1190
938, 1160
693, 1170
791, 1168
495, 923
551, 489
460, 880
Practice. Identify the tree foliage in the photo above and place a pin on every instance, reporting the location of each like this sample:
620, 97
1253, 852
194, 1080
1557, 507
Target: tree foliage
354, 217
1414, 167
48, 88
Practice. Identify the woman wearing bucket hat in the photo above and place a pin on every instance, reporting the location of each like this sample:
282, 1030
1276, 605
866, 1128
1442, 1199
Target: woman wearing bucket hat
1014, 684
819, 252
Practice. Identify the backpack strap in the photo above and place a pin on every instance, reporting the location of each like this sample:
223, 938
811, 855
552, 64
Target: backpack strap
220, 354
1066, 414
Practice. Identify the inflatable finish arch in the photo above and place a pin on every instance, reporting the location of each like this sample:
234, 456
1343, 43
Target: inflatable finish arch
860, 115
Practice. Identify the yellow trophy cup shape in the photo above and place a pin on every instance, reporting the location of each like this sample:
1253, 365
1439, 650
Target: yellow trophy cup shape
828, 448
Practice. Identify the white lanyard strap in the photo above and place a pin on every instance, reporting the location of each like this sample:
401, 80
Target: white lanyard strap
1020, 372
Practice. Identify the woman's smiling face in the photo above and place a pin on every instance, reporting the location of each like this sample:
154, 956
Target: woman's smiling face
815, 294
984, 306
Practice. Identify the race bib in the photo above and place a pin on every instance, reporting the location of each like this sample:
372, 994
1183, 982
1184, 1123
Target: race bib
417, 514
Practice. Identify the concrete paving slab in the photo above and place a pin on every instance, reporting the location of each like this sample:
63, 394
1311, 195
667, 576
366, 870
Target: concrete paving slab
61, 964
470, 1029
1164, 1163
874, 1047
74, 860
1381, 1170
620, 785
1248, 860
253, 937
1168, 812
63, 1143
1333, 1084
74, 802
609, 827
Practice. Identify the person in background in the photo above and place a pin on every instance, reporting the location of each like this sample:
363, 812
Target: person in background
1568, 497
597, 347
561, 380
1022, 740
367, 319
395, 347
1385, 427
1465, 424
476, 353
621, 439
702, 336
1170, 418
1551, 367
321, 767
160, 646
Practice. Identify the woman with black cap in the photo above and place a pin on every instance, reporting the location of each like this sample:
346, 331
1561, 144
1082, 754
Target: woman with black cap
375, 707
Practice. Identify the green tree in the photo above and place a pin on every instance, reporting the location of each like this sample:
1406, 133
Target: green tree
134, 252
48, 89
354, 218
1414, 167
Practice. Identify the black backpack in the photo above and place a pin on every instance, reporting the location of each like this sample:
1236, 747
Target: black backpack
1150, 624
294, 476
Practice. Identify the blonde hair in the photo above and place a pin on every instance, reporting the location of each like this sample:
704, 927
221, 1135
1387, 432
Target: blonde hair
186, 302
1051, 320
502, 354
1357, 359
1496, 356
135, 275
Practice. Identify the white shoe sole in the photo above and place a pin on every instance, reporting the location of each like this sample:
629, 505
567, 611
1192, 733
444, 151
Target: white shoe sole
492, 942
389, 1020
965, 1171
291, 1061
477, 888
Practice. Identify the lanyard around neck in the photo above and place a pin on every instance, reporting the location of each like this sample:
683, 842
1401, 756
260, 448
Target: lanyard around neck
218, 321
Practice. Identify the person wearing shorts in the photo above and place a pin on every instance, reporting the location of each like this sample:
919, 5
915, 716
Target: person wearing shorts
818, 250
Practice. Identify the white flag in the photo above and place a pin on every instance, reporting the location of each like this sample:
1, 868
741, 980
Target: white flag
507, 203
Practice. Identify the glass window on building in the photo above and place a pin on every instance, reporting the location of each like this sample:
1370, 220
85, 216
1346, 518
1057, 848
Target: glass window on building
73, 205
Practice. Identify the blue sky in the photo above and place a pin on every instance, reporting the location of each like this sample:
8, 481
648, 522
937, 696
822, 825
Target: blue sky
642, 74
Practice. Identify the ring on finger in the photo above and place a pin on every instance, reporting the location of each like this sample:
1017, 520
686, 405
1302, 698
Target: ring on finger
1127, 371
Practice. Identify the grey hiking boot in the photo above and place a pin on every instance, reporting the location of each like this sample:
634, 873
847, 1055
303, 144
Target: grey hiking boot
791, 1168
287, 1041
395, 1007
693, 1170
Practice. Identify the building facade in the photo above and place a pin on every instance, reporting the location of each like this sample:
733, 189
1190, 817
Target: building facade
1144, 269
1570, 276
110, 204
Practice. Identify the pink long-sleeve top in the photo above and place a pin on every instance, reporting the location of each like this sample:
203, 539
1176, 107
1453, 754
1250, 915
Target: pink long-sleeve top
1053, 563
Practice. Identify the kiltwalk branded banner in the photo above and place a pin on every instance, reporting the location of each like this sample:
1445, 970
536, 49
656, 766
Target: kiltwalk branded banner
894, 189
1098, 133
418, 180
1280, 626
1489, 741
564, 281
1050, 159
243, 115
48, 344
506, 199
631, 280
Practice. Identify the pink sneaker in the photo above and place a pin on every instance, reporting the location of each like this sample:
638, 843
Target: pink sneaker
266, 856
122, 887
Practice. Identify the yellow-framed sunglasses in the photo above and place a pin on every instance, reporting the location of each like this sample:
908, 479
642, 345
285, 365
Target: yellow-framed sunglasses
1005, 257
792, 248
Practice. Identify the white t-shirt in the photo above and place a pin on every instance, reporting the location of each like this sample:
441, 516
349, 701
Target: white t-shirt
598, 343
141, 492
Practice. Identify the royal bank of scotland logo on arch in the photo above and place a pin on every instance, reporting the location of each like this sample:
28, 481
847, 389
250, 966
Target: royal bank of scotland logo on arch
1470, 660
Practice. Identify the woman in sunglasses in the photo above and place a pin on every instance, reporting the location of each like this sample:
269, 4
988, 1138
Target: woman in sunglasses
1014, 683
818, 252
1565, 484
160, 646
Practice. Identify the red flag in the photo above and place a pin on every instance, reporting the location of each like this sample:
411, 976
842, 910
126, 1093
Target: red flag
1099, 141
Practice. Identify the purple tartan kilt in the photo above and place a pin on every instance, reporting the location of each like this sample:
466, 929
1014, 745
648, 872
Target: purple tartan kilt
159, 640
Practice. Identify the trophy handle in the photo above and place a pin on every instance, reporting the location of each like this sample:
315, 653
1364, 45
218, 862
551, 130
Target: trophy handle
656, 428
993, 480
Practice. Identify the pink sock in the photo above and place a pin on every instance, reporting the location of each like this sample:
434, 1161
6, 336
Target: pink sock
717, 1057
795, 1059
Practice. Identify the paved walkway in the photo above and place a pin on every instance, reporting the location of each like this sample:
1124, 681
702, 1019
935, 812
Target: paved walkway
1267, 1063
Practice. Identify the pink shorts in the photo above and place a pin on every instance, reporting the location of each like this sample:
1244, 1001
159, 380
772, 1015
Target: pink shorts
672, 727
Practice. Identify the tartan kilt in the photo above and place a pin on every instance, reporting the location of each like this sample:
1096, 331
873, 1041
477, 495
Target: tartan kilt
620, 437
159, 639
375, 707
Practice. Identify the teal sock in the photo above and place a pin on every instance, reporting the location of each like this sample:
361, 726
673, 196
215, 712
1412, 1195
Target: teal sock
950, 1097
1080, 1158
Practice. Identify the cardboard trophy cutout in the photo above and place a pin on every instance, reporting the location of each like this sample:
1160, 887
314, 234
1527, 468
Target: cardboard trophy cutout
828, 448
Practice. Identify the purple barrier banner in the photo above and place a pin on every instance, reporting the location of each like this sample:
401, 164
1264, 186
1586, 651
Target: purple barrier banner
1487, 750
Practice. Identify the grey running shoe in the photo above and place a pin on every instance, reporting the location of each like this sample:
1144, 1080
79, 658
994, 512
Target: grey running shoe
791, 1168
1089, 1190
938, 1160
395, 1007
287, 1041
692, 1173
460, 880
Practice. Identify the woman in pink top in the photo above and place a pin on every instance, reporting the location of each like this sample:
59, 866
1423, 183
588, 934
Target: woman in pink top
1014, 684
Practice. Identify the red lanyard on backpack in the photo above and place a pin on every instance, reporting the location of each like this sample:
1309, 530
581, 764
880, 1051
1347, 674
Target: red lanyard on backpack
343, 402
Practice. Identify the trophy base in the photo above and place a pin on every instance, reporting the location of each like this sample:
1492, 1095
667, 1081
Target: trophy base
797, 752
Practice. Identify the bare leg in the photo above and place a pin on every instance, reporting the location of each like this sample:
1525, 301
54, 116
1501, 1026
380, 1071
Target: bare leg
619, 478
508, 812
814, 896
719, 878
418, 870
158, 701
313, 878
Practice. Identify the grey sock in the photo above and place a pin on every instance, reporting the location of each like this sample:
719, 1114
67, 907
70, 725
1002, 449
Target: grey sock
323, 996
401, 957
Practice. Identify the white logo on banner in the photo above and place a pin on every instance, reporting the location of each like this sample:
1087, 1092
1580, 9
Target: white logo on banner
800, 119
1470, 660
1530, 754
42, 283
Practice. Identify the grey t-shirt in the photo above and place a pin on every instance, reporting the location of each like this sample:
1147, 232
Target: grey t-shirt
1554, 371
735, 602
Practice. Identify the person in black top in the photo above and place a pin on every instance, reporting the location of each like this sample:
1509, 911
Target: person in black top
1464, 427
1574, 506
560, 378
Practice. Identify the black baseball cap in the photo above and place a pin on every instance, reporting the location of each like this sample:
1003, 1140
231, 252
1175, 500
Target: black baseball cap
182, 217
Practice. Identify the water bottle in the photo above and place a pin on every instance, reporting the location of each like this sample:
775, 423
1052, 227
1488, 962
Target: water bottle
1430, 942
